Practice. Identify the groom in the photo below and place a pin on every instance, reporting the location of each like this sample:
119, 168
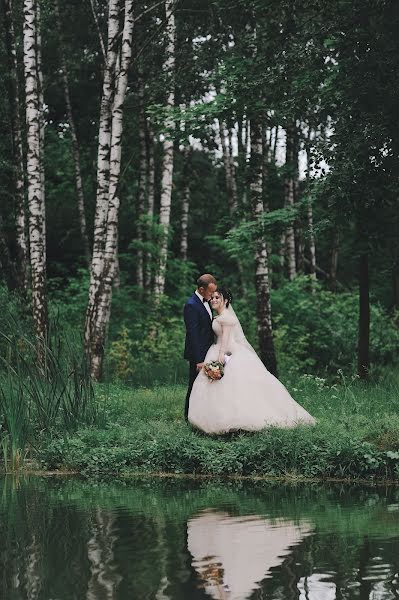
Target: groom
199, 334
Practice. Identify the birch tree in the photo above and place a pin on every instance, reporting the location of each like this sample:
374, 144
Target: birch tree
150, 202
143, 173
74, 138
103, 268
17, 152
309, 213
187, 156
37, 239
41, 114
167, 167
289, 199
103, 156
262, 283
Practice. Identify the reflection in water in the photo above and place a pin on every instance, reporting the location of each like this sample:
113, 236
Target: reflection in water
232, 555
104, 578
168, 540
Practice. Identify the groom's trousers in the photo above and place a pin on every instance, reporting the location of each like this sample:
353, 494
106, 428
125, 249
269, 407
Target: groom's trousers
192, 375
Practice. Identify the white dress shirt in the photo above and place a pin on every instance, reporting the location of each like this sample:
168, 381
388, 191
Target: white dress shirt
206, 304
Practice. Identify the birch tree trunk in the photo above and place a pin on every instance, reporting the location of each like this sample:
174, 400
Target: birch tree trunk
150, 202
18, 163
37, 240
309, 214
100, 313
289, 193
142, 184
262, 283
100, 218
167, 168
187, 156
74, 138
41, 113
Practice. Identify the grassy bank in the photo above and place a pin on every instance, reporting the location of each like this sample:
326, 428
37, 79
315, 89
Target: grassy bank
357, 436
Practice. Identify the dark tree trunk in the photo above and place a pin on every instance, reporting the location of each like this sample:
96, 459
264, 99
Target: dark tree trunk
395, 286
364, 317
18, 163
74, 137
6, 266
289, 197
334, 259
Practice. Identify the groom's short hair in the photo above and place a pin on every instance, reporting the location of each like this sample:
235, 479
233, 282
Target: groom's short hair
205, 280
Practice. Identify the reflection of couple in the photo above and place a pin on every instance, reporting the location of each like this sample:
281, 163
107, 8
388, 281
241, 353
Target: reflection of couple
248, 397
233, 554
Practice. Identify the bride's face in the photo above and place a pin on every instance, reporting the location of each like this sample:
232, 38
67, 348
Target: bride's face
217, 301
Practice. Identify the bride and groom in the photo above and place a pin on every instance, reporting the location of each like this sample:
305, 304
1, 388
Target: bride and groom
248, 397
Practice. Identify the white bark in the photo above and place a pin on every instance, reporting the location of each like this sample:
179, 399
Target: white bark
187, 156
103, 290
74, 138
309, 214
100, 218
37, 239
142, 184
150, 202
262, 283
41, 112
167, 168
18, 164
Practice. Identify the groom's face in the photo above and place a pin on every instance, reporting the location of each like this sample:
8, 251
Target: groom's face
208, 291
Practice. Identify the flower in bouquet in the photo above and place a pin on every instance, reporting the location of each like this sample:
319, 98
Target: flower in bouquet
214, 370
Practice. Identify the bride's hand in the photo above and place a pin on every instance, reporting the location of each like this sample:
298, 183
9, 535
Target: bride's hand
221, 358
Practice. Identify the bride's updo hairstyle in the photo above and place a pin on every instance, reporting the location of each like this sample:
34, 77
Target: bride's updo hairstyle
227, 295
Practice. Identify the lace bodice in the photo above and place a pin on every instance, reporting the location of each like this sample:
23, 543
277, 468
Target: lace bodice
223, 326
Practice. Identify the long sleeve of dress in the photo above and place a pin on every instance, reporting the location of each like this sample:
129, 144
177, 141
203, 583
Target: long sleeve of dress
227, 325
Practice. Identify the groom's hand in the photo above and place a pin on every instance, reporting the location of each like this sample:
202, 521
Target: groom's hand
199, 366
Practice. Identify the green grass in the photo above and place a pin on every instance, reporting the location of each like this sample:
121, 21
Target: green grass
356, 436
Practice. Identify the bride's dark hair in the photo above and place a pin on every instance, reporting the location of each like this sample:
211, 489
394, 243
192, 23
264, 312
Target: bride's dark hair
227, 295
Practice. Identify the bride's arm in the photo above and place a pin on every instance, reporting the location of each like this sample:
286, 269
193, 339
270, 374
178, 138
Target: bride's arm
227, 327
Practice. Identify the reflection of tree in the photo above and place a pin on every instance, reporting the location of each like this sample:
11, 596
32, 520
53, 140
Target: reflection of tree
69, 539
33, 574
364, 560
104, 578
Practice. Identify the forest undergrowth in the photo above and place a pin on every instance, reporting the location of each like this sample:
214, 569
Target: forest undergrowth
142, 430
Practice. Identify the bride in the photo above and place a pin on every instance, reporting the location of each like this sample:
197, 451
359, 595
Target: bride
248, 397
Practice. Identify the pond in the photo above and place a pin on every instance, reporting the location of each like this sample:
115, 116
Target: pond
163, 539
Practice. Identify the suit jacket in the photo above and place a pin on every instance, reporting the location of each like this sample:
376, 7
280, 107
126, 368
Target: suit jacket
199, 334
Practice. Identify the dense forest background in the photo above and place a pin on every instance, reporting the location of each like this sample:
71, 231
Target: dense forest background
145, 143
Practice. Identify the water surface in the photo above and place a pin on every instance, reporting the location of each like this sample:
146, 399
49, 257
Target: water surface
173, 540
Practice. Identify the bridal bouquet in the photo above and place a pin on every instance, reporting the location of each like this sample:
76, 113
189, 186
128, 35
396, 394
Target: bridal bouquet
214, 370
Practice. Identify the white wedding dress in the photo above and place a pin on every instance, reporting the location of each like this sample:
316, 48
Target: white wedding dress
248, 397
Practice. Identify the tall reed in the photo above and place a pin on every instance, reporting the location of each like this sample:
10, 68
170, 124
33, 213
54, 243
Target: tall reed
53, 394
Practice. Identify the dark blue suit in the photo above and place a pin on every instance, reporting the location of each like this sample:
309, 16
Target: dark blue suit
199, 338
